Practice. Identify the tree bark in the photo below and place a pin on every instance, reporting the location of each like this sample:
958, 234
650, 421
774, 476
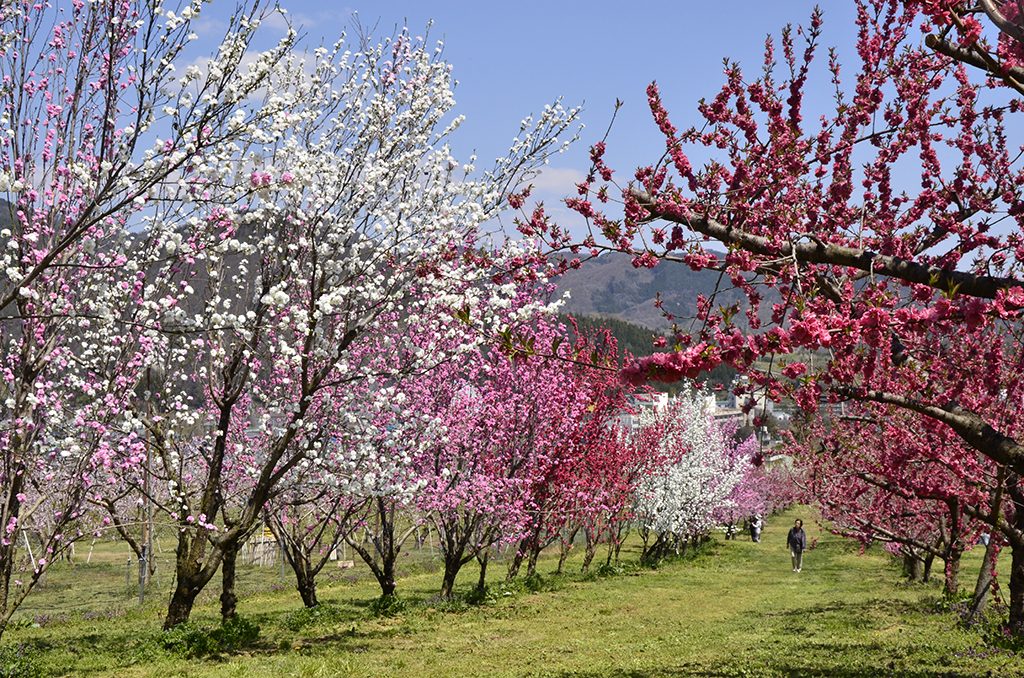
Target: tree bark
531, 564
926, 574
228, 596
306, 586
986, 577
590, 549
451, 571
382, 565
517, 561
1016, 620
8, 551
951, 585
1016, 538
481, 584
566, 548
190, 577
912, 566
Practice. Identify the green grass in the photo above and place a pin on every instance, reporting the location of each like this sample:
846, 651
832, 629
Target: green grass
735, 609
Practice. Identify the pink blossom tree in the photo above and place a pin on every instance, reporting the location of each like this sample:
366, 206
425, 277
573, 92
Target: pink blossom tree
882, 474
518, 418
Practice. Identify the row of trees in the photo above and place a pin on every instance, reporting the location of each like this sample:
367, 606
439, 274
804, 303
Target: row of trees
880, 233
256, 288
519, 454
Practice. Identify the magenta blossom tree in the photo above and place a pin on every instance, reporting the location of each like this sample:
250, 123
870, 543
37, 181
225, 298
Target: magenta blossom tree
880, 231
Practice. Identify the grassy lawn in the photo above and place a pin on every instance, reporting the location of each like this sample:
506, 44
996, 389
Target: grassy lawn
734, 610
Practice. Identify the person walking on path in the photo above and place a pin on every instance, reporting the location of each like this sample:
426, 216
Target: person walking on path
797, 542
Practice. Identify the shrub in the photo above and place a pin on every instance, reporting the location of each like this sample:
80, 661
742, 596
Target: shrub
191, 640
17, 661
388, 606
484, 596
321, 615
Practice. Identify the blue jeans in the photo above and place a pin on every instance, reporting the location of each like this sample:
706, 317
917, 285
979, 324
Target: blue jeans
798, 558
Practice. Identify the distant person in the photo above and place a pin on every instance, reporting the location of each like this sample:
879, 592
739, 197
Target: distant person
796, 540
756, 525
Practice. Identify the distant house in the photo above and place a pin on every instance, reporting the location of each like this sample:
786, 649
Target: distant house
655, 403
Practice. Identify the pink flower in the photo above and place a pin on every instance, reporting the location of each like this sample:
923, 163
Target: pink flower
260, 179
795, 370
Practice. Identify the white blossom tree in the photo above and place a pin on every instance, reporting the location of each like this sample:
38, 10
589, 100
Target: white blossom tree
699, 466
96, 130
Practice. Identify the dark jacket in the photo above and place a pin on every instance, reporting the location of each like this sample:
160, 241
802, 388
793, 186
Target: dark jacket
796, 539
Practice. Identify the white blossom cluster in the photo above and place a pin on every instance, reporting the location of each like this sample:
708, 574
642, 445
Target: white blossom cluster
683, 495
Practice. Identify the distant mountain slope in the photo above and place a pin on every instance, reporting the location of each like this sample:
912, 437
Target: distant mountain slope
609, 286
638, 341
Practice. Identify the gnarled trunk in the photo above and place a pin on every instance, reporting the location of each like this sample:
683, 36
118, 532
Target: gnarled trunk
191, 576
452, 565
912, 566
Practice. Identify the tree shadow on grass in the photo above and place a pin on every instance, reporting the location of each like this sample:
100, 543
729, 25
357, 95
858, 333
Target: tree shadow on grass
857, 613
782, 668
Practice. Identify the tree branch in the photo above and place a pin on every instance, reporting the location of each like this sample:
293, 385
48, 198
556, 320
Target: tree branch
984, 286
974, 430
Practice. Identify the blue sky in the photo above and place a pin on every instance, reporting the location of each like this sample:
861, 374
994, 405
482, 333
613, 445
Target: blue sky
512, 58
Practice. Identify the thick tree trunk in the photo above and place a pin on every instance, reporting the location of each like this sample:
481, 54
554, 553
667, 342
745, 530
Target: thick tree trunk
912, 566
180, 607
306, 585
452, 565
228, 596
387, 580
1016, 620
190, 578
986, 577
929, 560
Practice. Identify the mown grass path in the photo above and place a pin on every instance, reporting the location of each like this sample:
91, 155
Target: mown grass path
735, 610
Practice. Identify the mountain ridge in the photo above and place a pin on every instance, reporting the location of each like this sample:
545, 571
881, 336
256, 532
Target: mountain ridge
610, 286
